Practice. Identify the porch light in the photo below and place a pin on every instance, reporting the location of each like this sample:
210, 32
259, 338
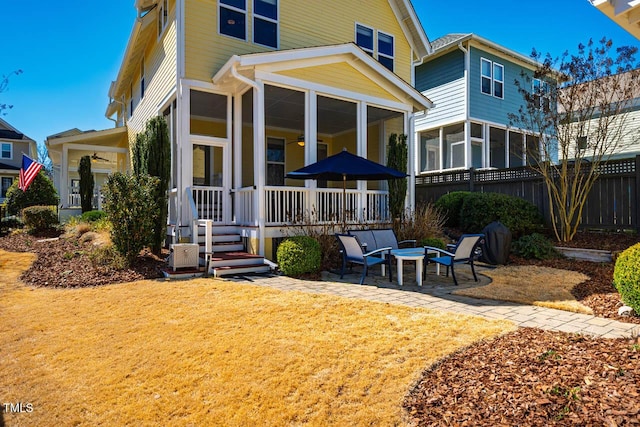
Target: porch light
301, 140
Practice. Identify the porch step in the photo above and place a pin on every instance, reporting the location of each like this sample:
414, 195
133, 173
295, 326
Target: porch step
235, 259
221, 238
227, 271
223, 247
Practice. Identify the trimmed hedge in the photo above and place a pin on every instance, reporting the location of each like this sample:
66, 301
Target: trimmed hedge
39, 218
626, 276
451, 205
92, 216
481, 209
298, 255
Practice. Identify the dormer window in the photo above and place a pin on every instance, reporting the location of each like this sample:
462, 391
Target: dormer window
233, 18
377, 44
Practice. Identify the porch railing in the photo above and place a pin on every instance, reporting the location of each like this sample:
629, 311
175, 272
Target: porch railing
286, 205
208, 202
74, 200
243, 205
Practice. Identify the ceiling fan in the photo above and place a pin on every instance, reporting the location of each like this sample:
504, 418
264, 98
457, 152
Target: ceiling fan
96, 157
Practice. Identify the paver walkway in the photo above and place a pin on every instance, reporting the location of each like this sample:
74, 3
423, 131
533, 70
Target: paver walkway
436, 294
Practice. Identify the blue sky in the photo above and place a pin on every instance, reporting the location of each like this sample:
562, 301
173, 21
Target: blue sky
70, 51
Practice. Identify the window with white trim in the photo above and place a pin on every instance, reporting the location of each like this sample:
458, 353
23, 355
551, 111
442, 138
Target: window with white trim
7, 150
385, 50
163, 16
6, 183
491, 78
378, 44
275, 161
541, 92
233, 18
265, 23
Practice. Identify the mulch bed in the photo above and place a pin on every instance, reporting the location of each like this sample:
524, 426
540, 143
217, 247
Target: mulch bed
65, 263
532, 378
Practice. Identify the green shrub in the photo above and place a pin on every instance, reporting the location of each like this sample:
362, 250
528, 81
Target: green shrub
481, 209
92, 216
87, 184
534, 246
41, 192
132, 209
107, 256
298, 255
433, 242
11, 222
626, 276
39, 218
450, 205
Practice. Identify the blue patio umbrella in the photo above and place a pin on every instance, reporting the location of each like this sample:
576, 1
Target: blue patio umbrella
344, 167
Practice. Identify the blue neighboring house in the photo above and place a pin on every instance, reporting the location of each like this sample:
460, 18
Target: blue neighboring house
471, 81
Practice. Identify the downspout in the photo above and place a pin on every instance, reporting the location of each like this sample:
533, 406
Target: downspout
467, 123
260, 188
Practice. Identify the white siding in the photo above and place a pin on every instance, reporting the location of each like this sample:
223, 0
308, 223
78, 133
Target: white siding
449, 101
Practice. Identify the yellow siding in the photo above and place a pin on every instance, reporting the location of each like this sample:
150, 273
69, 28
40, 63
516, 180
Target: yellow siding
340, 75
302, 24
160, 76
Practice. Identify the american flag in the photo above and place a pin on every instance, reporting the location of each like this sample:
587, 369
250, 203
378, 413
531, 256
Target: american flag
28, 172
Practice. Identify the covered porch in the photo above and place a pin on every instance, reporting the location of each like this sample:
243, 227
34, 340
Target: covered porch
270, 113
109, 153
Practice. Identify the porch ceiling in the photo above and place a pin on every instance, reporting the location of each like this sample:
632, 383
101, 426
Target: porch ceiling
116, 137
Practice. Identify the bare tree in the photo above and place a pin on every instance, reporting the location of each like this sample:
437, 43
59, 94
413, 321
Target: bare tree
578, 110
4, 83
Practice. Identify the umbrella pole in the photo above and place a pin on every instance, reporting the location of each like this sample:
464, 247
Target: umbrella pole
344, 202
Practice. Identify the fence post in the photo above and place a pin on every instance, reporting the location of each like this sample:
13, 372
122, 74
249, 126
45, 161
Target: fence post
471, 178
636, 196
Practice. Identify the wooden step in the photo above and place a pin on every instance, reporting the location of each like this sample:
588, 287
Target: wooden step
221, 238
234, 259
224, 247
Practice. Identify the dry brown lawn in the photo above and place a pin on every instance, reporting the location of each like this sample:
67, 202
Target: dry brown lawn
535, 285
210, 352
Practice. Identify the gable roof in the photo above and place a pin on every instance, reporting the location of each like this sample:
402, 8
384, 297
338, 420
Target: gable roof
9, 132
451, 41
410, 24
350, 52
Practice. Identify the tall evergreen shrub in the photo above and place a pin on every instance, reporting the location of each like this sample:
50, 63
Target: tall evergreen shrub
397, 158
86, 184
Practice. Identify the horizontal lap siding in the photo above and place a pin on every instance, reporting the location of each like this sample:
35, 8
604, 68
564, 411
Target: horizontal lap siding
489, 108
302, 24
449, 101
342, 76
160, 77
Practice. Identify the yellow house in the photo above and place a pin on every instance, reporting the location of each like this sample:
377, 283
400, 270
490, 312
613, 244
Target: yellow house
253, 89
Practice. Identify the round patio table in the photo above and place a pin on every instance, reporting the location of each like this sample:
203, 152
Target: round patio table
409, 254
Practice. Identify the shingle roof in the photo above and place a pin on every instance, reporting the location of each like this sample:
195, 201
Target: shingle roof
448, 40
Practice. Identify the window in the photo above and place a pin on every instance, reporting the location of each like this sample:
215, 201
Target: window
275, 161
233, 18
163, 16
491, 78
430, 150
6, 183
364, 38
142, 78
497, 147
130, 100
581, 143
533, 150
477, 145
7, 150
265, 22
454, 146
383, 49
541, 94
516, 149
207, 114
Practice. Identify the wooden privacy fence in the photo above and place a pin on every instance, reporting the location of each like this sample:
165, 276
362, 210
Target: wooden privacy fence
611, 204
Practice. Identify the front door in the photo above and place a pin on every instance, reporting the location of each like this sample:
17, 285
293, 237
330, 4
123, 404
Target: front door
211, 177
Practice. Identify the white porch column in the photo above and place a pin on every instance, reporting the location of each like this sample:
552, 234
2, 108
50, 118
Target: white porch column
311, 144
410, 202
259, 165
237, 142
185, 155
362, 151
64, 177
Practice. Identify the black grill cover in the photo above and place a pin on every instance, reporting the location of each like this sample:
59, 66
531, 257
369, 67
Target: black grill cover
497, 244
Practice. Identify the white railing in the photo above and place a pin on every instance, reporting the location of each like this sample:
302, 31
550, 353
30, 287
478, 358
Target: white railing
74, 200
286, 205
209, 203
243, 206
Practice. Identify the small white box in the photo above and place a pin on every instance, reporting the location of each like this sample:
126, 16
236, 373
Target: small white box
184, 255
